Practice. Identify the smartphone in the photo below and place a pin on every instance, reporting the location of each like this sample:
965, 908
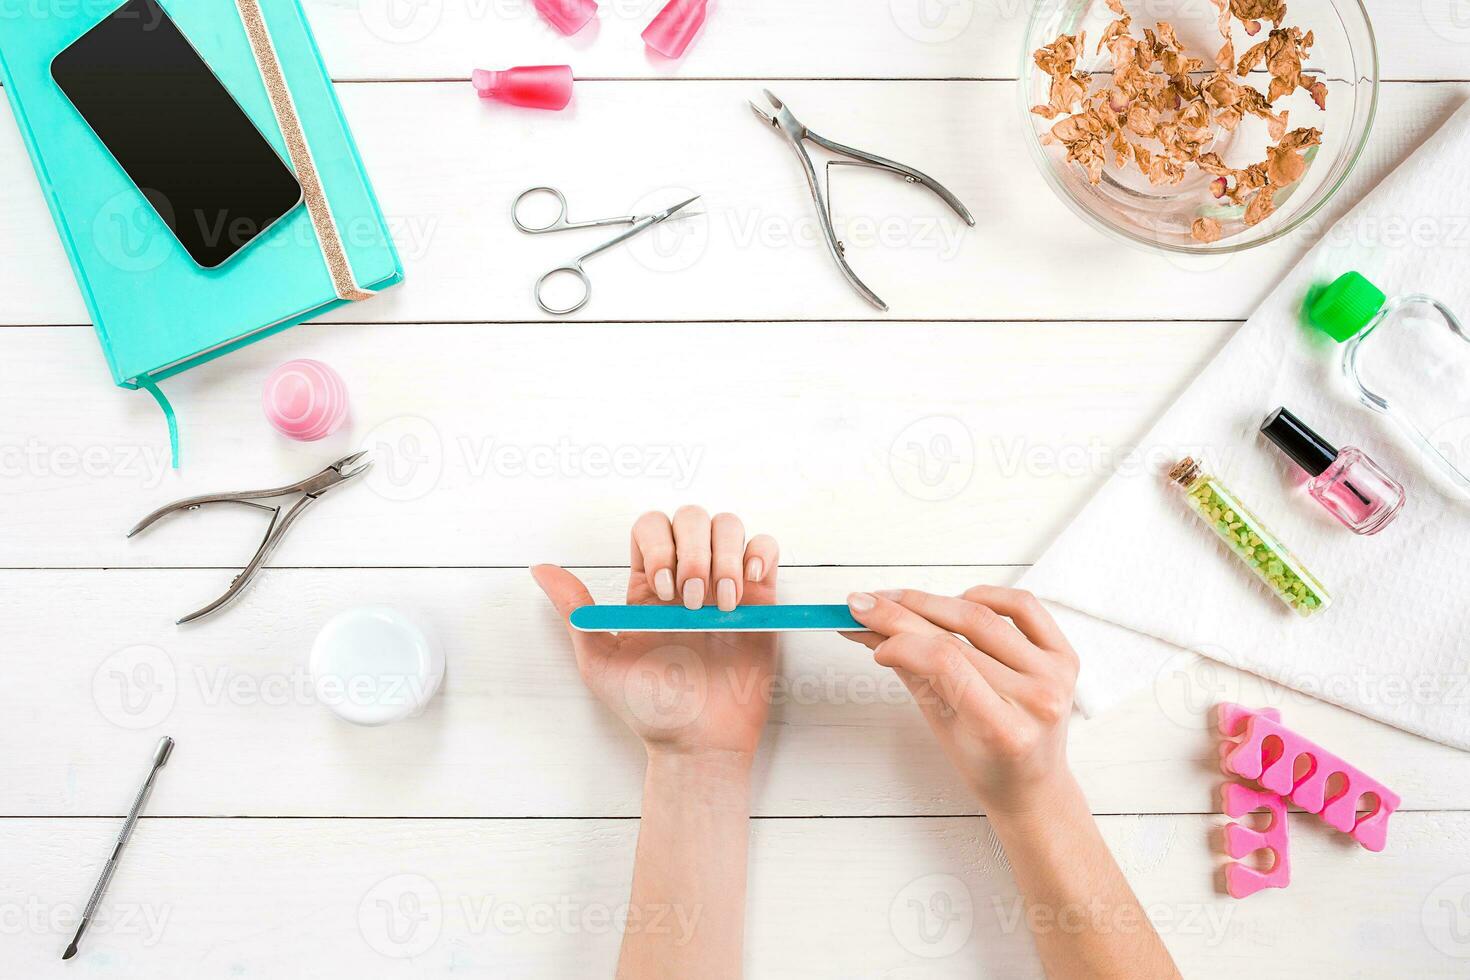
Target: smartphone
174, 128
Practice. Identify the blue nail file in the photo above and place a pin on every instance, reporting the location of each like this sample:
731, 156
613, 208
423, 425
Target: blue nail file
744, 619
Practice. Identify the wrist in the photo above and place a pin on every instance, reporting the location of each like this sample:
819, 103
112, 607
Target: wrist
1037, 801
715, 777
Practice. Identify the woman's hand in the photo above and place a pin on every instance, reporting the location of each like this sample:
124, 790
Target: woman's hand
699, 701
993, 675
997, 695
683, 693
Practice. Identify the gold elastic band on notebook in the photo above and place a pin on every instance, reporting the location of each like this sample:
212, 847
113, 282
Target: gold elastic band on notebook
327, 234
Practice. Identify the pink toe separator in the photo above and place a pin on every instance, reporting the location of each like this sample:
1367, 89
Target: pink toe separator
1246, 758
567, 16
1241, 880
671, 30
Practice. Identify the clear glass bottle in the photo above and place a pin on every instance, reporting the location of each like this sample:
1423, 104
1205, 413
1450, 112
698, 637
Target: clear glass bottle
1347, 482
1408, 357
1249, 540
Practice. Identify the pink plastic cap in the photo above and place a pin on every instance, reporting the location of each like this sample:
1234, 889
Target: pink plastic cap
567, 16
535, 87
674, 27
305, 400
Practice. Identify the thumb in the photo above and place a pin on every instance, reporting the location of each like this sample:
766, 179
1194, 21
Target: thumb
564, 589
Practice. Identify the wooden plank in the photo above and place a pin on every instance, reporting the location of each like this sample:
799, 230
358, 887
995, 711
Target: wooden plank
447, 167
389, 39
97, 666
918, 444
828, 898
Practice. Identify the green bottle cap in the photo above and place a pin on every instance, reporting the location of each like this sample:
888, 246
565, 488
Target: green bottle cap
1346, 306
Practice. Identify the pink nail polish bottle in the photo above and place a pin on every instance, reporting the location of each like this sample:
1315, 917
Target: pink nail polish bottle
1350, 485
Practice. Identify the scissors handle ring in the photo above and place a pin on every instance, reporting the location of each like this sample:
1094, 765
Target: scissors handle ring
556, 224
575, 270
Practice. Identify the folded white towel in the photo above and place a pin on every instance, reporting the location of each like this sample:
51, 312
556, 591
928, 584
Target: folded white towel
1396, 643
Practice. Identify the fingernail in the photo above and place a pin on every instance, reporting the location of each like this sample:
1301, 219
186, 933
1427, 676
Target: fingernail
663, 584
861, 602
754, 569
725, 594
694, 593
892, 595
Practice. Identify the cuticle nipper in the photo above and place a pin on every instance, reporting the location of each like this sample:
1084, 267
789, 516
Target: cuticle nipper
797, 133
311, 488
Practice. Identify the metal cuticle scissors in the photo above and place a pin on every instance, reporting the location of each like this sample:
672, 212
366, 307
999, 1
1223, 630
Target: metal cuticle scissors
797, 134
638, 224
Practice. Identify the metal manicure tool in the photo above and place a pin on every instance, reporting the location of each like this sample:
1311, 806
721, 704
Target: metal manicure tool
160, 756
798, 134
639, 224
311, 488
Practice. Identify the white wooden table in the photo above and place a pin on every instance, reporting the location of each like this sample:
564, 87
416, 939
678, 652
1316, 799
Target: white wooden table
723, 362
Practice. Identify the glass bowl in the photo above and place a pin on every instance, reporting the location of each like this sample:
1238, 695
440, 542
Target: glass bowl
1125, 205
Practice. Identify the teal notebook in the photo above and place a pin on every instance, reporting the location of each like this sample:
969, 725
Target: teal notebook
156, 312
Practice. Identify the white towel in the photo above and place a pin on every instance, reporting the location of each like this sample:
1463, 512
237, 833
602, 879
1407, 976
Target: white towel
1141, 577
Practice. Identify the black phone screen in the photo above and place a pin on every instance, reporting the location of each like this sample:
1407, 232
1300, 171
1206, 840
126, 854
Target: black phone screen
176, 130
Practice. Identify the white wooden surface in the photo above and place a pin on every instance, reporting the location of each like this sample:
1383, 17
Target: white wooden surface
724, 363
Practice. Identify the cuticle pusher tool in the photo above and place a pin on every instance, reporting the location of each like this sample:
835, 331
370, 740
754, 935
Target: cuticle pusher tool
160, 758
797, 134
314, 486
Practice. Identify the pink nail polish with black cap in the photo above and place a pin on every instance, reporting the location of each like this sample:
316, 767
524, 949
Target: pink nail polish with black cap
1347, 482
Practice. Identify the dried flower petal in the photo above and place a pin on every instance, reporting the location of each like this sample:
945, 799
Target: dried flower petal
1284, 165
1225, 57
1159, 95
1205, 230
1254, 56
1260, 207
1248, 10
1142, 121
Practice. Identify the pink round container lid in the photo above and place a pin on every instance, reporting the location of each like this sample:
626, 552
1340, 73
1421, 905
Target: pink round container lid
305, 400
